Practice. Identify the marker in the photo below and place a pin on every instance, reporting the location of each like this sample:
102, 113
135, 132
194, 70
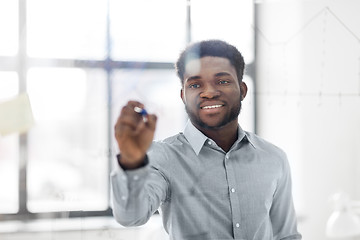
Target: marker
142, 112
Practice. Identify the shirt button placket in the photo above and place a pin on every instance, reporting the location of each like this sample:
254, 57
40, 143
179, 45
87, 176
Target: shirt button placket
233, 198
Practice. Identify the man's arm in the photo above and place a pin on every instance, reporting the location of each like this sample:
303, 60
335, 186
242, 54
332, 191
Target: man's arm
137, 194
282, 212
137, 189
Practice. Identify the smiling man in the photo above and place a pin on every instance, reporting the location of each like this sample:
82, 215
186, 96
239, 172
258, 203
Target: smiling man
212, 96
214, 181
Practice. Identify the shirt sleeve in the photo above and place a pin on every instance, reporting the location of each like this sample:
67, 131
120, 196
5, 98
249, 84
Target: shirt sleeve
136, 194
282, 212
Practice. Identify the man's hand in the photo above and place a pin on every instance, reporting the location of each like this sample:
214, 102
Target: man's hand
133, 134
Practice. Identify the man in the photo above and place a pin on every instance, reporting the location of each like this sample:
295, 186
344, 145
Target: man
214, 181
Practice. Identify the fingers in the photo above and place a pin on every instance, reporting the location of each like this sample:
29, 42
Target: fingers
134, 104
132, 133
151, 123
131, 120
129, 117
148, 124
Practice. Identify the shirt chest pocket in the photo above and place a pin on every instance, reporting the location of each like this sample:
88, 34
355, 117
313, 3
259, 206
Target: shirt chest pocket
256, 196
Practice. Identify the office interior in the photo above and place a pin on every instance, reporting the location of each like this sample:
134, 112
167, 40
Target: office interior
68, 66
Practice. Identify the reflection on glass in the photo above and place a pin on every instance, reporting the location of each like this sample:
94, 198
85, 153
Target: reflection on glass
68, 145
229, 20
145, 30
9, 151
8, 27
67, 28
159, 90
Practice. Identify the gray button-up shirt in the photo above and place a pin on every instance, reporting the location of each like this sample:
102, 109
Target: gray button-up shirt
205, 193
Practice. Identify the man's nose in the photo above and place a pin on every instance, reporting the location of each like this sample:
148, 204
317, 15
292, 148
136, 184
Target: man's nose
210, 92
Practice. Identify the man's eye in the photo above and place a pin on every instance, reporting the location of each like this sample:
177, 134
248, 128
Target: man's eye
224, 81
194, 85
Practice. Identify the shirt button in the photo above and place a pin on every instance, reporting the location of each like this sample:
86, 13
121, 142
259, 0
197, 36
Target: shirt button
136, 177
226, 157
237, 225
209, 142
233, 190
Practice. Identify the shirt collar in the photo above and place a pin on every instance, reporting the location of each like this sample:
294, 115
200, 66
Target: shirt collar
194, 137
197, 139
244, 137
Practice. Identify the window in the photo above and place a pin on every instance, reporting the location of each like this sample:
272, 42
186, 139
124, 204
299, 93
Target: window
72, 30
151, 31
67, 147
80, 62
9, 153
8, 27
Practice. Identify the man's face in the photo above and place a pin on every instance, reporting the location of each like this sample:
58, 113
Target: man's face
211, 92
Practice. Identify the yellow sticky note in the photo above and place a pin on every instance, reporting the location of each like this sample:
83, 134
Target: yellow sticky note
16, 115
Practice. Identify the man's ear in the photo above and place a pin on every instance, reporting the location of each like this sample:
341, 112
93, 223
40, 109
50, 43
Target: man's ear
243, 90
182, 95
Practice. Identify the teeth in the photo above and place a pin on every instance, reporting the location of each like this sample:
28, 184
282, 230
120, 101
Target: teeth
213, 106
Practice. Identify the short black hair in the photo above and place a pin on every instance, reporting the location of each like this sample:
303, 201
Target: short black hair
210, 48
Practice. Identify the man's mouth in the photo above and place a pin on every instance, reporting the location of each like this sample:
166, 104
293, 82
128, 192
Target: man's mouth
212, 106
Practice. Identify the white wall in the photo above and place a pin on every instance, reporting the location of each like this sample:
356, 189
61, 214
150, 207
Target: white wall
308, 77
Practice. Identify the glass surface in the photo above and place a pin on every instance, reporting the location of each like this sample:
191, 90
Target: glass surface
144, 30
229, 20
159, 90
8, 27
67, 28
9, 151
68, 153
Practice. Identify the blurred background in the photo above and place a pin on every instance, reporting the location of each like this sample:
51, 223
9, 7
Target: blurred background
80, 61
